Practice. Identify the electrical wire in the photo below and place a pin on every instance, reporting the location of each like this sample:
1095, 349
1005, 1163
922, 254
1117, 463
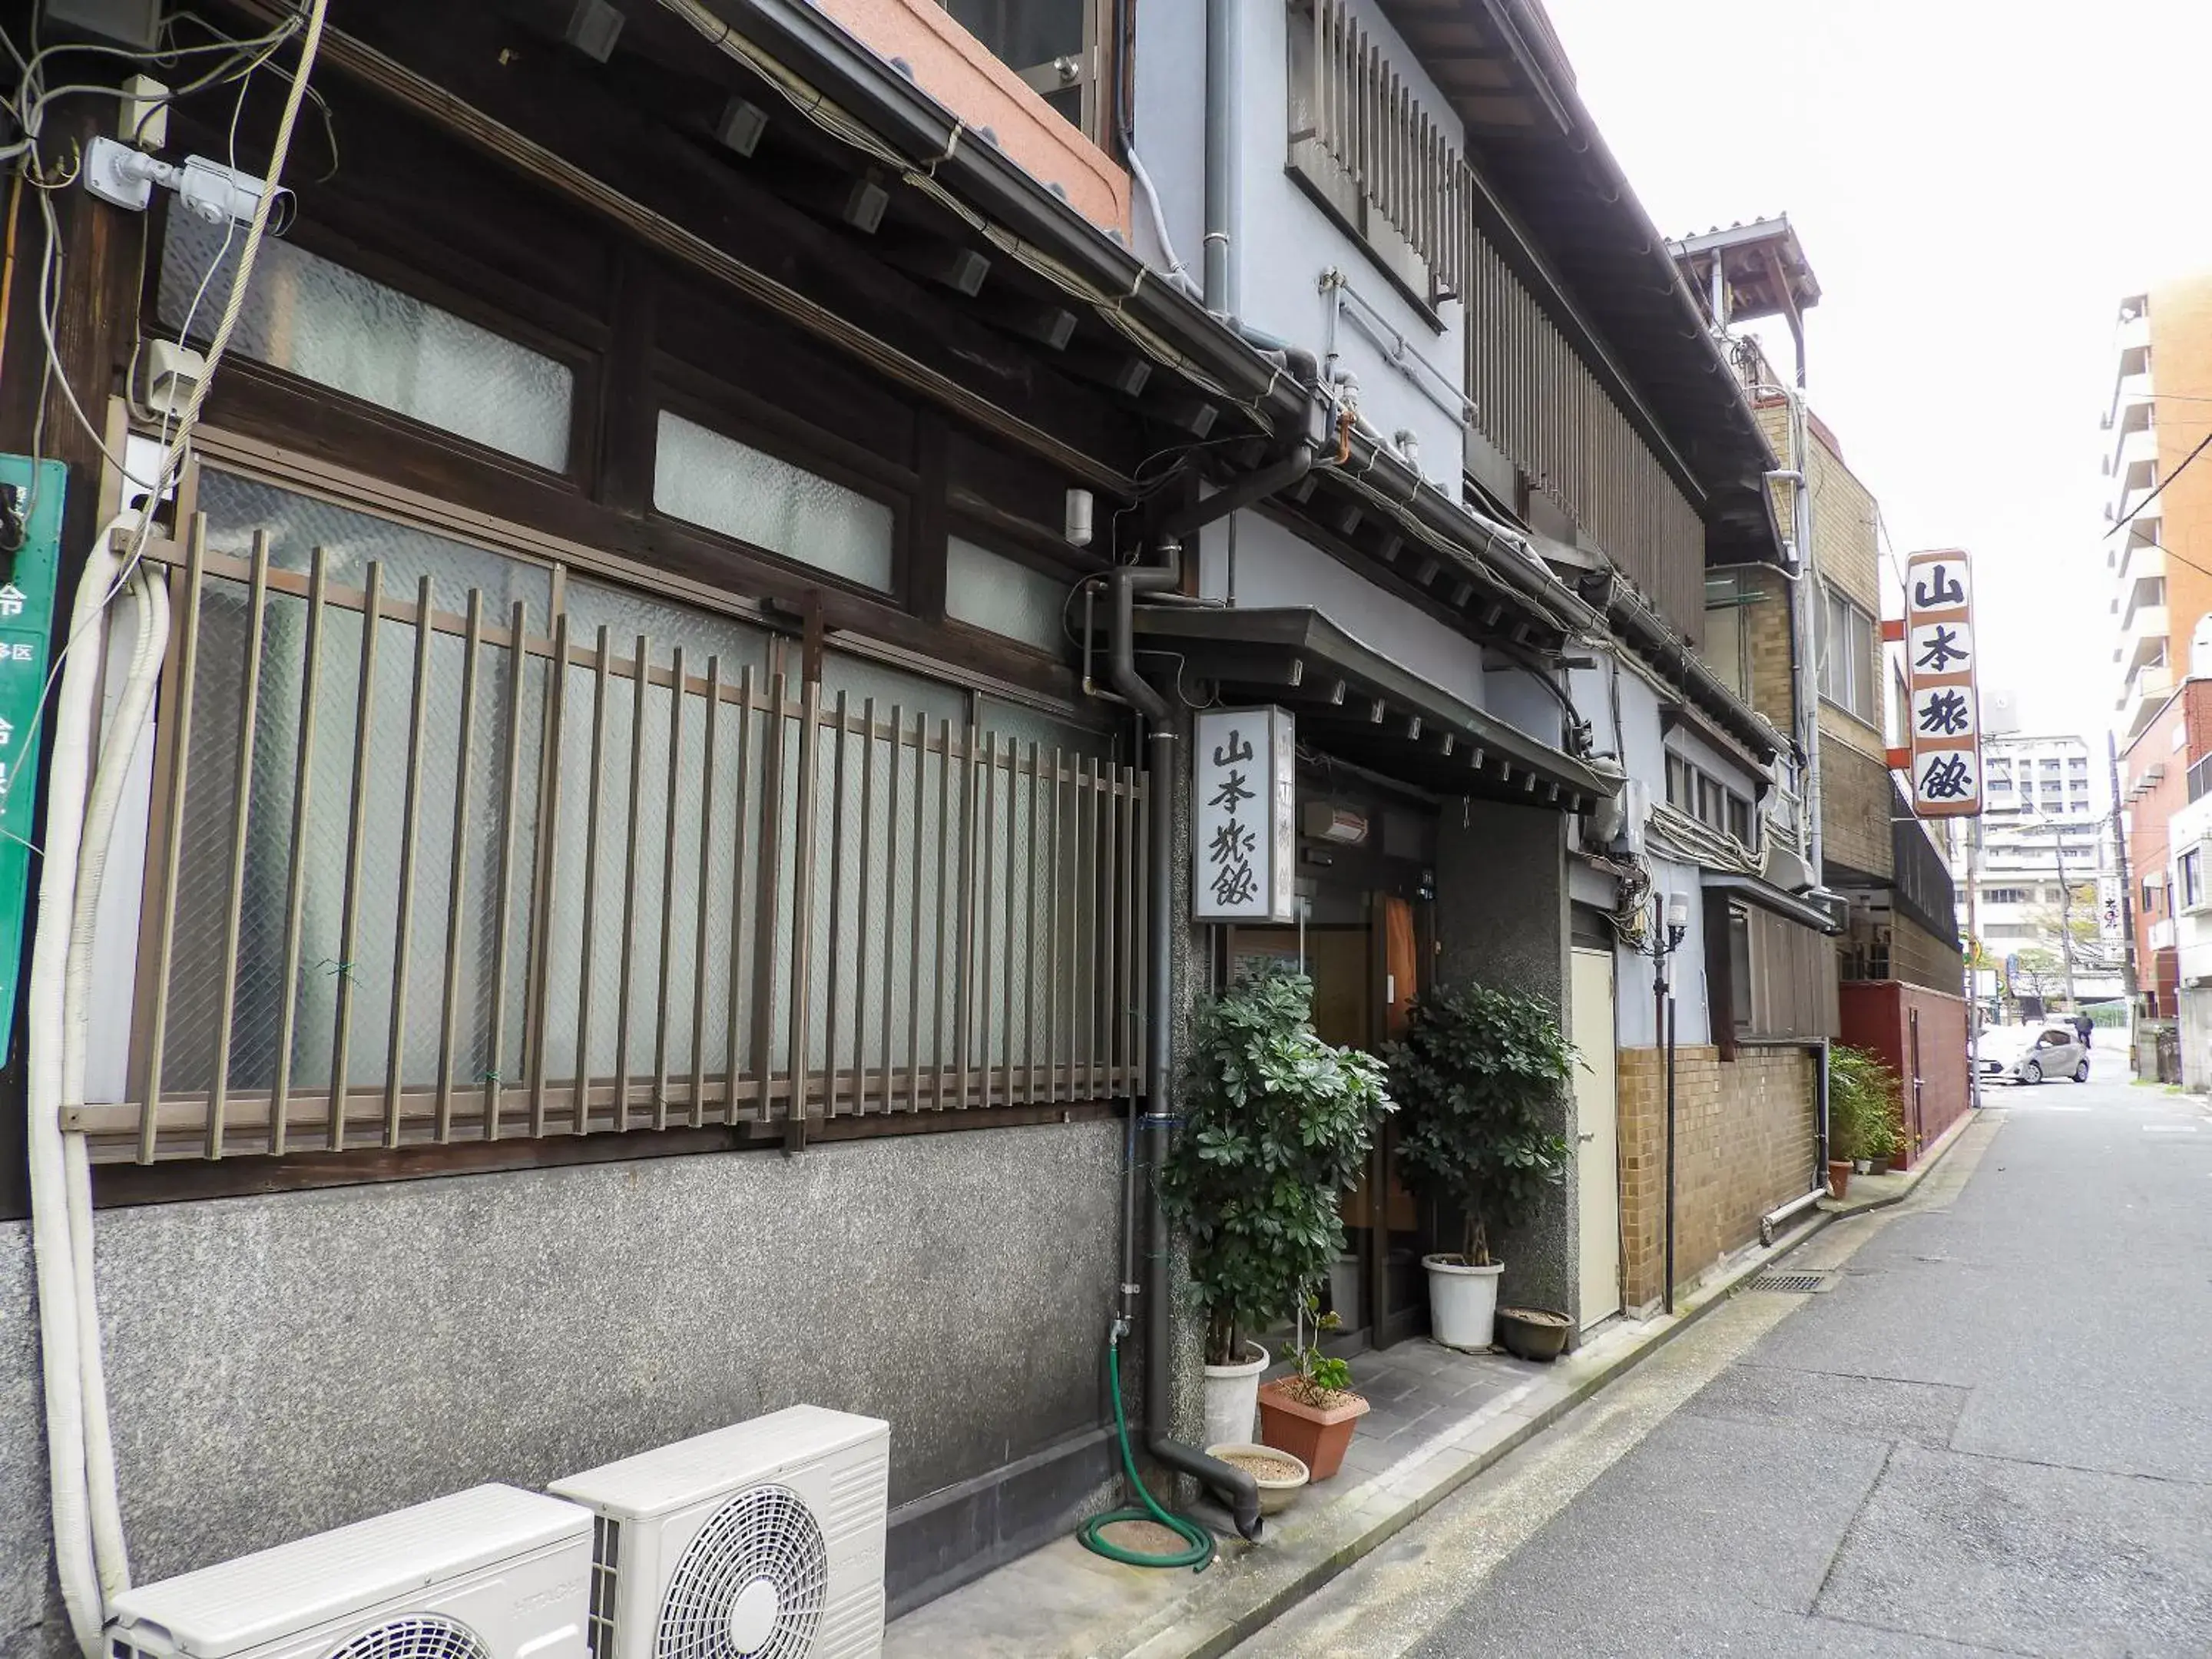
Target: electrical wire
2160, 489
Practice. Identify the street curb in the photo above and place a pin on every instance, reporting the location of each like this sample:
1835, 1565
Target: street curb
1193, 1633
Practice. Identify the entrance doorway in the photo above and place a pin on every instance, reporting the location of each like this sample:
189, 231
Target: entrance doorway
1597, 1134
1364, 965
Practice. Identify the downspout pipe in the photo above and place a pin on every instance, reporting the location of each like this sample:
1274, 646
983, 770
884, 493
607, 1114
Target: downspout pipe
1223, 115
1235, 1487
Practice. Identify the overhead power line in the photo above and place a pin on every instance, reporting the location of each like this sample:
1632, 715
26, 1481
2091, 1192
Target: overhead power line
2160, 489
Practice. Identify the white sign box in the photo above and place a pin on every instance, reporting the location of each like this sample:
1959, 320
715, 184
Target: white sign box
1944, 729
1243, 841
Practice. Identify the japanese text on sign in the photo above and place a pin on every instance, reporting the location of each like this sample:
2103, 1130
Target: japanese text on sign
1241, 845
1943, 716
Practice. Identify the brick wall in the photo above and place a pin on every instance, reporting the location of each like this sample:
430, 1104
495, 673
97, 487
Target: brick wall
1855, 804
1878, 1015
1744, 1143
2189, 712
1918, 958
1766, 626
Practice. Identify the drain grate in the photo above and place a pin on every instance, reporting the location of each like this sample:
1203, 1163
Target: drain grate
1797, 1284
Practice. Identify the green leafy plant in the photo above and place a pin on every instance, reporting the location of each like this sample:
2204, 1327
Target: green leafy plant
1479, 1078
1276, 1124
1866, 1117
1322, 1382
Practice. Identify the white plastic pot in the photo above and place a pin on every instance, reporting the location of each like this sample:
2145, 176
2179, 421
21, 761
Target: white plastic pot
1232, 1399
1462, 1301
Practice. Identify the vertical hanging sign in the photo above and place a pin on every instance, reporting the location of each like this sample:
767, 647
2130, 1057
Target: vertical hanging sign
32, 521
1945, 726
1242, 849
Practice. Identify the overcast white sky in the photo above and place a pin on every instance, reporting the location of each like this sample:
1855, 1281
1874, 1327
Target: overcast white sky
1977, 184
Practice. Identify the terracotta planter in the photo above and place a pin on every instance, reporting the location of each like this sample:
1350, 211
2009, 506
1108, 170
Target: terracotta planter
1840, 1176
1315, 1435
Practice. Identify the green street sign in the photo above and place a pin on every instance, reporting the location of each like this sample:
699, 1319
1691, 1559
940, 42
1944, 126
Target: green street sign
34, 497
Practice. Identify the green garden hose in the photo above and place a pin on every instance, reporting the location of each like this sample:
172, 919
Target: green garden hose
1197, 1558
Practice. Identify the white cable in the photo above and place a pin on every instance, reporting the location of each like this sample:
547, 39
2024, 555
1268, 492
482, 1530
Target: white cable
1178, 273
61, 1345
89, 1558
133, 718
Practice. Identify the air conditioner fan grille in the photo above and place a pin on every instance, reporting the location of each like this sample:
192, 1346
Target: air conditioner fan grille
750, 1585
418, 1636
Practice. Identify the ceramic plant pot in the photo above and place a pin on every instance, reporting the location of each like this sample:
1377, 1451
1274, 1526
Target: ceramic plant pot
1538, 1333
1840, 1176
1462, 1301
1232, 1396
1315, 1435
1280, 1476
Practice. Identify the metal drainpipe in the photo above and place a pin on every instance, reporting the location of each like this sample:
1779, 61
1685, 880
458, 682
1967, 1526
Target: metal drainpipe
1223, 147
1123, 584
1236, 1486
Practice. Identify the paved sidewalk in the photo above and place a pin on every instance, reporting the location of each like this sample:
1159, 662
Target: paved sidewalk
1440, 1418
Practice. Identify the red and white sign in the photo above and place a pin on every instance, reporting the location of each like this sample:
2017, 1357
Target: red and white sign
1943, 714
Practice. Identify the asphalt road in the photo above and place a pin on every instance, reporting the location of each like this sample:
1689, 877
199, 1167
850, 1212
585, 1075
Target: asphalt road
1990, 1436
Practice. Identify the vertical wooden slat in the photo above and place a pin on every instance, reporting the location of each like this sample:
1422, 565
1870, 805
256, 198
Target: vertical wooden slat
356, 832
833, 1002
402, 946
625, 980
540, 978
802, 898
1054, 968
669, 831
741, 793
457, 878
963, 956
984, 892
295, 896
249, 708
1032, 958
1010, 886
768, 890
594, 824
914, 948
510, 814
1101, 955
711, 738
860, 979
890, 892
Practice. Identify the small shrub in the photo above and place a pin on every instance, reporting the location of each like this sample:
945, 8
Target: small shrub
1866, 1105
1276, 1124
1478, 1079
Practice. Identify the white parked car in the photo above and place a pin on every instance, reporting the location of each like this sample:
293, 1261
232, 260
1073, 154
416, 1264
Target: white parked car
2029, 1053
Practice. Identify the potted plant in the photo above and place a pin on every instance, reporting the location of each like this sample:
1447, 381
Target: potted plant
1276, 1124
1311, 1413
1863, 1101
1478, 1078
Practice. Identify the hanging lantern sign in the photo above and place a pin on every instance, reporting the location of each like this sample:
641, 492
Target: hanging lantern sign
1243, 846
1946, 726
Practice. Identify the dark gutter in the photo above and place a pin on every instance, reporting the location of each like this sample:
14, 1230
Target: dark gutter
851, 75
1666, 650
1769, 897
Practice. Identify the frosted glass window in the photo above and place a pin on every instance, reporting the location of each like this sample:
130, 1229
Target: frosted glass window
985, 589
324, 323
705, 478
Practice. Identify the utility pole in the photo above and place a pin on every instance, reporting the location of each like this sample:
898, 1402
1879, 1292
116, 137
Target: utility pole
1973, 953
2065, 919
2128, 979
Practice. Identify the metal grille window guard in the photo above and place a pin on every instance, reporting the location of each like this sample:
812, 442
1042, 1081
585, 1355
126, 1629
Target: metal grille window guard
1361, 138
423, 869
1357, 123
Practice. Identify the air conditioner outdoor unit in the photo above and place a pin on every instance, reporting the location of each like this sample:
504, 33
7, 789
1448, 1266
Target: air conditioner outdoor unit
763, 1540
491, 1573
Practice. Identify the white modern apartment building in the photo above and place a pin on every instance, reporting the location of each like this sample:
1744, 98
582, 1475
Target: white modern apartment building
2042, 831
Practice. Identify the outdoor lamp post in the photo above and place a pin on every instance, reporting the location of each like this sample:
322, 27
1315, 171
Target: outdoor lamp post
1665, 939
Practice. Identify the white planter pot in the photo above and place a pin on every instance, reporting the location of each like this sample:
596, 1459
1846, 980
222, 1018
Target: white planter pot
1232, 1399
1462, 1303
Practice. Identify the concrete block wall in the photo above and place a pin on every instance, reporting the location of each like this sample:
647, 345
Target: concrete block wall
282, 1363
1766, 626
1745, 1136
